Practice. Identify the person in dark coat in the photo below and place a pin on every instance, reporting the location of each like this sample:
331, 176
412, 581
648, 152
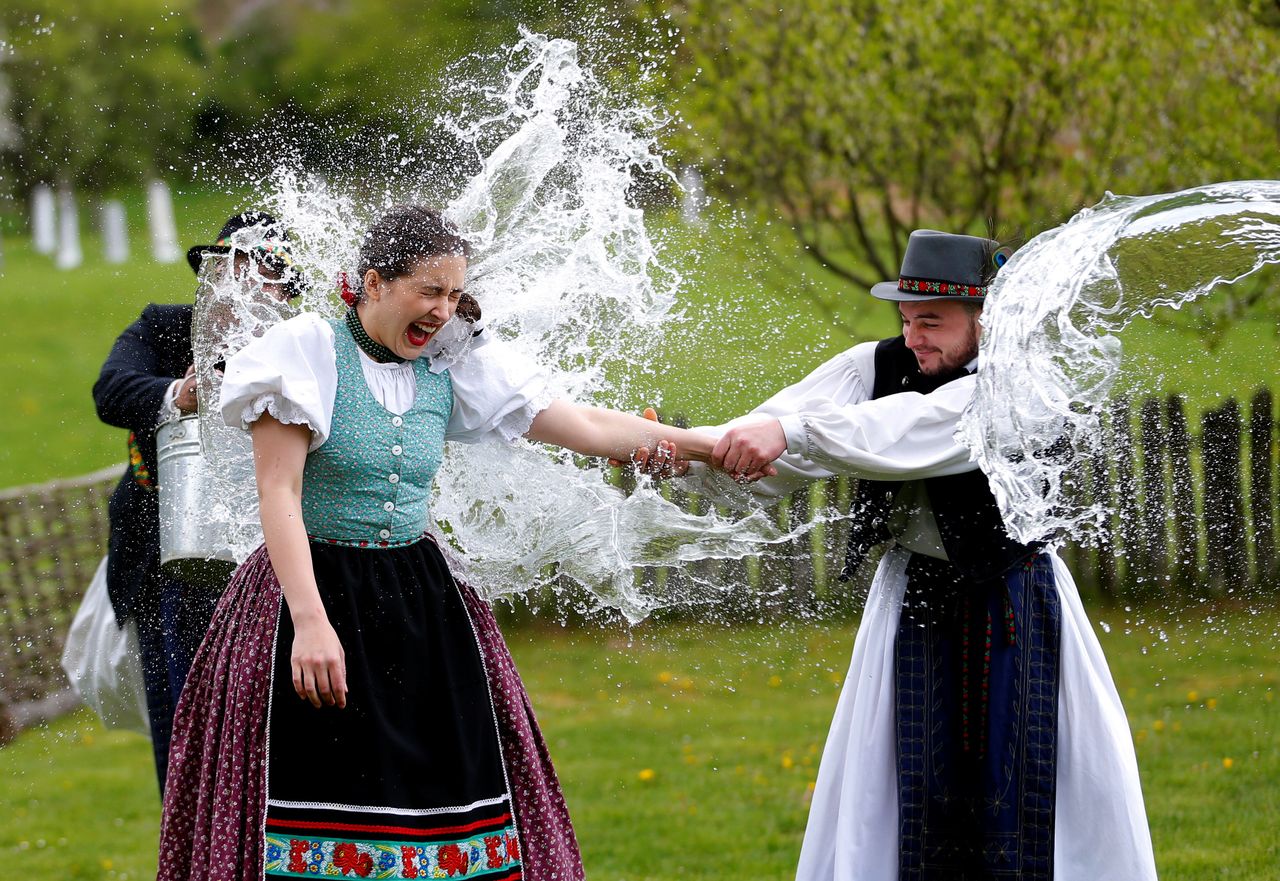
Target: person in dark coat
147, 379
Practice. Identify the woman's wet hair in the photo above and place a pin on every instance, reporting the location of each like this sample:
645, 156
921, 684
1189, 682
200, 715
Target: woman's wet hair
407, 234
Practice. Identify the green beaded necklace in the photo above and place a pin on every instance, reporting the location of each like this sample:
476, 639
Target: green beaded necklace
376, 351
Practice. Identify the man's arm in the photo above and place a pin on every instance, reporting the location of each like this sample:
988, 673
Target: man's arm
129, 391
907, 436
840, 381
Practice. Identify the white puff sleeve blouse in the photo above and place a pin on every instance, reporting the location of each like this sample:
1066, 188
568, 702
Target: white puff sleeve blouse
291, 372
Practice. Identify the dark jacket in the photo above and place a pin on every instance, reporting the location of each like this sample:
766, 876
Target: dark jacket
150, 354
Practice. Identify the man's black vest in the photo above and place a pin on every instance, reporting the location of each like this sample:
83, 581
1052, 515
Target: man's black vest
968, 518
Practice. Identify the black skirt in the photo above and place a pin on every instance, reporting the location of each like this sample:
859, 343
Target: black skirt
406, 781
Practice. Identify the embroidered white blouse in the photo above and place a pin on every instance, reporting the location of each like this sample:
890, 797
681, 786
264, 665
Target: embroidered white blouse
291, 372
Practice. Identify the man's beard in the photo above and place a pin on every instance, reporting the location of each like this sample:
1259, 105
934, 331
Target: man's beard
953, 362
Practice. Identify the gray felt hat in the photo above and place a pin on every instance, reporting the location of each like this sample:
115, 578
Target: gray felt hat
943, 266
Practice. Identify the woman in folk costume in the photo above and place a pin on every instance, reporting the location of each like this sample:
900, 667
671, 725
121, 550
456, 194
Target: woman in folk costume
372, 724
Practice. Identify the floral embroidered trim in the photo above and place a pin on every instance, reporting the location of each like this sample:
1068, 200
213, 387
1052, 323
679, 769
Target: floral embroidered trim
141, 474
495, 855
949, 288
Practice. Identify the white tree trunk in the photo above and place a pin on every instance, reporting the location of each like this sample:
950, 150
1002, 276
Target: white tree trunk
115, 232
164, 233
44, 220
69, 254
693, 197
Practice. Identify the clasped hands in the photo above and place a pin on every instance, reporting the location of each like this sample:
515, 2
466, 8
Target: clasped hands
745, 452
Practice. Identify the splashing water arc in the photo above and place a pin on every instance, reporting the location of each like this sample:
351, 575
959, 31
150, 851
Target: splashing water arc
1050, 354
567, 274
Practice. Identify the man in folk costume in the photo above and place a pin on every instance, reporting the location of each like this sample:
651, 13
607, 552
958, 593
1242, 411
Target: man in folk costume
979, 734
148, 378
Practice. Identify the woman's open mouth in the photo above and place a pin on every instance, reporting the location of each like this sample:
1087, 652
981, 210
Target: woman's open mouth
418, 332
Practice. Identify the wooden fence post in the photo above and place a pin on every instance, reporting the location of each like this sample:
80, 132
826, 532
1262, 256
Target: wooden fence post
1153, 528
1120, 450
802, 590
1223, 497
835, 537
1186, 524
1261, 483
1104, 571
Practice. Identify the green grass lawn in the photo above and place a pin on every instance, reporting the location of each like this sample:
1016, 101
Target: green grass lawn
687, 751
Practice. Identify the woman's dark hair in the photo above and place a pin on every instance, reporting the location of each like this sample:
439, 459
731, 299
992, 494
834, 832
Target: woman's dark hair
405, 234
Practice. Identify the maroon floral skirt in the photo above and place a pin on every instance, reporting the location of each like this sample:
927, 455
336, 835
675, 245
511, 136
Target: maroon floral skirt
263, 784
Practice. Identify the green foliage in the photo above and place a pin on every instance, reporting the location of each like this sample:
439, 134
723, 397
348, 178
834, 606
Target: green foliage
107, 92
857, 123
101, 92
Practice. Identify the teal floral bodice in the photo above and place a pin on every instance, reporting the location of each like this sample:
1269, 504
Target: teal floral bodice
369, 483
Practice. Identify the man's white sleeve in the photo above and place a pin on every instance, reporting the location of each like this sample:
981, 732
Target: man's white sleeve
907, 436
839, 380
832, 427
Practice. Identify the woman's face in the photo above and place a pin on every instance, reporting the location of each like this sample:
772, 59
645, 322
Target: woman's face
404, 313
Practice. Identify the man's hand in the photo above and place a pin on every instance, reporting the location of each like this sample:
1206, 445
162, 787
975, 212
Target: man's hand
747, 450
185, 399
662, 463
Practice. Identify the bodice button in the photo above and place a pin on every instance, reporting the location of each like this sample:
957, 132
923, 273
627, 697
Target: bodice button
397, 421
386, 533
394, 478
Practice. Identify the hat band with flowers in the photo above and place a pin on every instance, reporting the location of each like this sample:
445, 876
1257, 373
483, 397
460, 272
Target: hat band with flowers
942, 288
274, 249
944, 266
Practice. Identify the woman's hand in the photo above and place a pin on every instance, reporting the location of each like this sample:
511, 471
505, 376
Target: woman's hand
319, 664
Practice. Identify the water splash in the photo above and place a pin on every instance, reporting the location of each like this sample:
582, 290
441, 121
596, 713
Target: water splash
567, 273
1050, 354
231, 308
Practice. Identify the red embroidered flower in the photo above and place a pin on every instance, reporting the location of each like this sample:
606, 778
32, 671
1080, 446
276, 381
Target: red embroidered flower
348, 858
297, 850
513, 847
493, 850
452, 860
409, 857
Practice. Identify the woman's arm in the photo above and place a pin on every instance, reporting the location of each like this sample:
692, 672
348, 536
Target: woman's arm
318, 661
593, 431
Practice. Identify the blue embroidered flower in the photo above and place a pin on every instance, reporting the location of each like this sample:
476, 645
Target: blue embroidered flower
386, 861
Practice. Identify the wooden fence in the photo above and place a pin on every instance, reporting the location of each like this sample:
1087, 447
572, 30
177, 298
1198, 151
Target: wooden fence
1194, 514
52, 536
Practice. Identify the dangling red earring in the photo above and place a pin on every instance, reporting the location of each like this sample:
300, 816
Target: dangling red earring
344, 290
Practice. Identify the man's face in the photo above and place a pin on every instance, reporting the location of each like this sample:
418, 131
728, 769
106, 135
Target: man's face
942, 334
256, 274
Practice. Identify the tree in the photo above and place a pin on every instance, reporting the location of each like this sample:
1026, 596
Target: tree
101, 92
858, 121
